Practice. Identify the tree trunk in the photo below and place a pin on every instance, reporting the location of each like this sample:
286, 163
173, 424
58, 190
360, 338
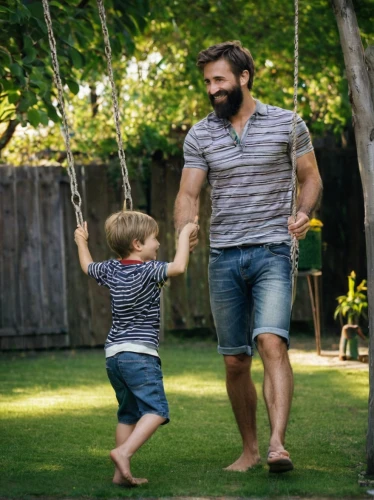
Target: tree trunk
361, 96
369, 59
8, 134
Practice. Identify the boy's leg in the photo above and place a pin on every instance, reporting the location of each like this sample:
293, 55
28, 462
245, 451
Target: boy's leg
123, 432
143, 377
121, 455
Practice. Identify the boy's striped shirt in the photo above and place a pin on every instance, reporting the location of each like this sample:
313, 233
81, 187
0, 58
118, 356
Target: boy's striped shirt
135, 301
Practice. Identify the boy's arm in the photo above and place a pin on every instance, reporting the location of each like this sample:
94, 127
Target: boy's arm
179, 264
81, 239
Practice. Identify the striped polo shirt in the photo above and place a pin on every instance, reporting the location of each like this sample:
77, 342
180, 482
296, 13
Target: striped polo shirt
250, 177
135, 289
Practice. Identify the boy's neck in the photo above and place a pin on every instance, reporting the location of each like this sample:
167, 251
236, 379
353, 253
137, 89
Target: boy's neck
133, 256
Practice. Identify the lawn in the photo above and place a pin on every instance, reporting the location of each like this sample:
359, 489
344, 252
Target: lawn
58, 418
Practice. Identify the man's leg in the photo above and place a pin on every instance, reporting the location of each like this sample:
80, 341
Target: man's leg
278, 386
231, 307
243, 398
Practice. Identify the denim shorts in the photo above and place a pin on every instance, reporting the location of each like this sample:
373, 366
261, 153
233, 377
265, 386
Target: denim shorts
137, 381
250, 293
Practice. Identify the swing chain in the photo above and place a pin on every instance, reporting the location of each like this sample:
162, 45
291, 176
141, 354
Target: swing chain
295, 242
116, 112
75, 196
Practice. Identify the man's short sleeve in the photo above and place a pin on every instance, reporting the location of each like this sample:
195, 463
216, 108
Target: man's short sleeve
303, 141
101, 272
193, 157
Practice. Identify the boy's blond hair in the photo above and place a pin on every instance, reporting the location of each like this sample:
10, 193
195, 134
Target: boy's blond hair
122, 228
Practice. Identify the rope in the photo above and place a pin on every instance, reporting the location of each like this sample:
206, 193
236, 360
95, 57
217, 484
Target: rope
75, 196
116, 112
295, 243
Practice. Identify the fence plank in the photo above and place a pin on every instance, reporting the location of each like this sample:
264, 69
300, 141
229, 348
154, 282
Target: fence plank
78, 306
53, 262
186, 301
8, 253
29, 255
98, 203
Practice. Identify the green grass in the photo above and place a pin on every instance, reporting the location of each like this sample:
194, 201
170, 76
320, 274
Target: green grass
58, 420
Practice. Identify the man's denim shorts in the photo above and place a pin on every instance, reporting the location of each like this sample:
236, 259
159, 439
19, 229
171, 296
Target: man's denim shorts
250, 293
137, 381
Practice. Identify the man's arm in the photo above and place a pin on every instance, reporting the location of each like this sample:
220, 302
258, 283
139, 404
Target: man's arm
187, 202
310, 189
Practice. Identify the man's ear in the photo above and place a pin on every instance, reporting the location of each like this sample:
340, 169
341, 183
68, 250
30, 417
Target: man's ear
137, 245
244, 78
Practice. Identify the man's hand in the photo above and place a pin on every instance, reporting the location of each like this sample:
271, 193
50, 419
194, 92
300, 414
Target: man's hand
300, 227
81, 234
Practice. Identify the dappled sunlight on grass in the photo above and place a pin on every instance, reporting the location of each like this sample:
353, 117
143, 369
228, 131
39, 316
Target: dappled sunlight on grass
194, 385
46, 467
39, 401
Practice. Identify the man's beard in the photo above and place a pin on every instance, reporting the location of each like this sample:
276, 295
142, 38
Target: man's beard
231, 105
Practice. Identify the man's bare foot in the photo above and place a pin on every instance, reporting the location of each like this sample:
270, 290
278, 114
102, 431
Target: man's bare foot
123, 474
244, 463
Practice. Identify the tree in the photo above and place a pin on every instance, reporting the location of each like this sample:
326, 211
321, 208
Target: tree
168, 94
26, 83
361, 92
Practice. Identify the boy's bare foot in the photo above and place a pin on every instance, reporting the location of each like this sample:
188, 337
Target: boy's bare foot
136, 481
123, 476
244, 463
119, 480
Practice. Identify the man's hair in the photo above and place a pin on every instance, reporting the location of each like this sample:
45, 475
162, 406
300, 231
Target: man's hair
122, 228
239, 58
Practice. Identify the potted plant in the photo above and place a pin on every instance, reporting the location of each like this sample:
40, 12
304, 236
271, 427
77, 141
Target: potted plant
310, 249
351, 306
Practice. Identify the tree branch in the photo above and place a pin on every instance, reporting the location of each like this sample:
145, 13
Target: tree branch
8, 134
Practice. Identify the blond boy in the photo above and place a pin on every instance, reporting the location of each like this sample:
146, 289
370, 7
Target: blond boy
135, 280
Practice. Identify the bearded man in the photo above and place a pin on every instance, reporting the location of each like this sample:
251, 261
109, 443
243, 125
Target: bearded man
244, 148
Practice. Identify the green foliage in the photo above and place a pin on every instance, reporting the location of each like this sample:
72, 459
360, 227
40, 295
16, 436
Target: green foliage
26, 83
353, 305
161, 91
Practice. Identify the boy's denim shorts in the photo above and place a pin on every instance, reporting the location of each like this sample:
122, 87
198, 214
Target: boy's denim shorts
137, 381
250, 293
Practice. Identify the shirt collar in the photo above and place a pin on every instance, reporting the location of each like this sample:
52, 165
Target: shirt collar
261, 108
128, 262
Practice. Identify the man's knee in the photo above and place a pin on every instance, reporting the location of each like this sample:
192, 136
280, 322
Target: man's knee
271, 346
237, 365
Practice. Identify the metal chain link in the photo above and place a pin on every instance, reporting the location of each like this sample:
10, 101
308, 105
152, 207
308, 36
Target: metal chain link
116, 112
75, 196
295, 242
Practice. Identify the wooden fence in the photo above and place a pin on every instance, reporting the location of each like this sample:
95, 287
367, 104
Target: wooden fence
46, 300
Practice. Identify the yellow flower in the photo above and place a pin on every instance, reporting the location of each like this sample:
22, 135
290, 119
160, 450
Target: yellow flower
316, 224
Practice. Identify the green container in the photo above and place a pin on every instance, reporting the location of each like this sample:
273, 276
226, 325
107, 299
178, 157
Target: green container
310, 250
